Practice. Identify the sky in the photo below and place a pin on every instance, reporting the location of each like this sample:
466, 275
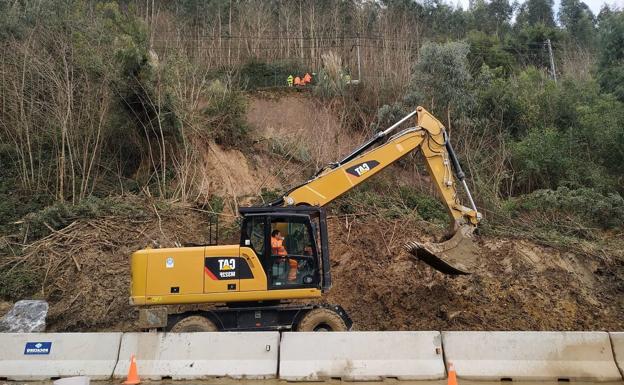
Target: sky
595, 5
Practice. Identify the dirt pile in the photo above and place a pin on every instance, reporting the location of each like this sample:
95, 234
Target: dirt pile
230, 173
519, 286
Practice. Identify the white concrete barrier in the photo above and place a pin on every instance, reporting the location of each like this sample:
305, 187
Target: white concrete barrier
42, 356
361, 356
189, 356
617, 341
531, 356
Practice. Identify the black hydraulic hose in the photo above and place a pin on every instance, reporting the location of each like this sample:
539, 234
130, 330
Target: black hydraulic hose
459, 173
361, 149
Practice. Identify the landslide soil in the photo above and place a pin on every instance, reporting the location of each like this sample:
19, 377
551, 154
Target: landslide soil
520, 285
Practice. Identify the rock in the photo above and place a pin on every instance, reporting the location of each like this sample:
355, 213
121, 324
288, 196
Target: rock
26, 316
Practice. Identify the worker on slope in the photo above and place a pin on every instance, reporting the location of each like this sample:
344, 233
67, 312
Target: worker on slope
289, 80
307, 78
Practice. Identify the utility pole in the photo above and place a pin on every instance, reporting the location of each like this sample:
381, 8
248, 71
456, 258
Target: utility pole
552, 60
359, 66
358, 59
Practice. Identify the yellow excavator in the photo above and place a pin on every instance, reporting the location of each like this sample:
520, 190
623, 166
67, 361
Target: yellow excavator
283, 254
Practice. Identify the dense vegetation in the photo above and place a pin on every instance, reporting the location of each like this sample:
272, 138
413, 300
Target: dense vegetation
104, 98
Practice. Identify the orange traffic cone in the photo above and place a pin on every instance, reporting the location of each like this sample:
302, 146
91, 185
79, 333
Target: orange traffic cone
452, 376
133, 375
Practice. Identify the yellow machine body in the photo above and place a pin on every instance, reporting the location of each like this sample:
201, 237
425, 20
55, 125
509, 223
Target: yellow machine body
200, 275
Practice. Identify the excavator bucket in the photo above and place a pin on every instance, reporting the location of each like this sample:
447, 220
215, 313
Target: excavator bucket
457, 256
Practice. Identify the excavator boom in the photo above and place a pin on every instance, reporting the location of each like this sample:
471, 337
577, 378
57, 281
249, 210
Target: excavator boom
457, 255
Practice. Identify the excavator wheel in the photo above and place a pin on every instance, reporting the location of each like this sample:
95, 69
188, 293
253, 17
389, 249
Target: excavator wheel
194, 323
321, 320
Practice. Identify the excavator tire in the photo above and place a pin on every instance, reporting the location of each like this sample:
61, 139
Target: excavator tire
321, 320
194, 323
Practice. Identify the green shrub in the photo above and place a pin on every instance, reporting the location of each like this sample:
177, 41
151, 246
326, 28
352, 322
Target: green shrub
269, 195
380, 197
583, 206
293, 150
428, 207
226, 113
18, 283
257, 74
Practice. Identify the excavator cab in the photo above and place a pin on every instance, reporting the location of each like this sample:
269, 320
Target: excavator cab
291, 243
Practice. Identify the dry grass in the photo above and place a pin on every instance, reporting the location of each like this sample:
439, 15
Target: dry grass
84, 268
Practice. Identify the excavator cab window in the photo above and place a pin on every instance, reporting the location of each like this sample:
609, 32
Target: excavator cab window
294, 256
255, 234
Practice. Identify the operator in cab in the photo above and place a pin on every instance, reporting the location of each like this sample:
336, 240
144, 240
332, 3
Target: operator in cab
277, 248
277, 243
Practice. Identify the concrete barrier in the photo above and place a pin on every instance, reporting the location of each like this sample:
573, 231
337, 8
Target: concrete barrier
190, 356
43, 356
617, 341
531, 356
361, 356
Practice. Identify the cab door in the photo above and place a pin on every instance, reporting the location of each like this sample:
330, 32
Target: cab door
254, 238
299, 268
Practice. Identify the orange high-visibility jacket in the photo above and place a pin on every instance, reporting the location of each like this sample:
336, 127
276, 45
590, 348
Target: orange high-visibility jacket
277, 247
307, 78
292, 271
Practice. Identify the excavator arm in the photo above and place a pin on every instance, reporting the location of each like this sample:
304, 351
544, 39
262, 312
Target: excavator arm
455, 256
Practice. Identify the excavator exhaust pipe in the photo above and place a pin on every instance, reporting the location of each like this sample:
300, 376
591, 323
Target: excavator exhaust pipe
457, 256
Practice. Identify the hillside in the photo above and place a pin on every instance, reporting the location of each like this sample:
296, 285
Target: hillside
126, 125
520, 285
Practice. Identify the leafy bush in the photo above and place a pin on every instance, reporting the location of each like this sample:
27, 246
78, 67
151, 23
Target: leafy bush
380, 197
583, 205
226, 113
441, 78
269, 195
487, 49
18, 283
428, 207
293, 150
541, 160
257, 74
611, 50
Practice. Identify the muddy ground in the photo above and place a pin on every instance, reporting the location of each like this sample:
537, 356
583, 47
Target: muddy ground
519, 286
